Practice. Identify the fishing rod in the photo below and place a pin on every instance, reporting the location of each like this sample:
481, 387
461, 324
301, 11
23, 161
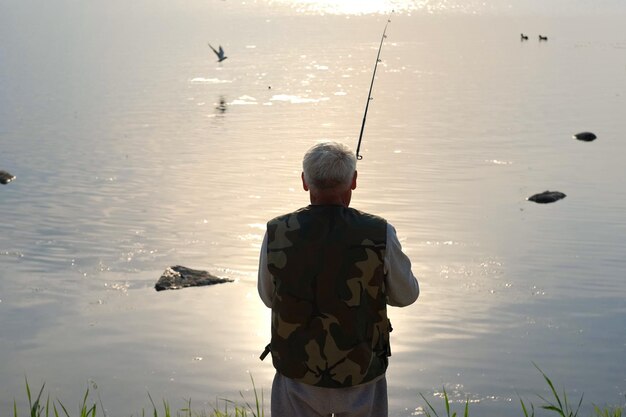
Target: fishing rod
369, 95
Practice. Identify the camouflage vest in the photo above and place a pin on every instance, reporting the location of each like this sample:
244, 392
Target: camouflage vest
329, 313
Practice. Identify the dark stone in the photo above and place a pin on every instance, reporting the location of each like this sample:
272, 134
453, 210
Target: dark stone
585, 136
547, 197
5, 177
177, 277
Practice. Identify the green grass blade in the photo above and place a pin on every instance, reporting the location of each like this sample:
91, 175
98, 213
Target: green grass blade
260, 412
445, 396
153, 406
434, 412
92, 411
551, 407
64, 409
525, 410
95, 388
34, 409
85, 398
166, 408
551, 385
30, 404
579, 404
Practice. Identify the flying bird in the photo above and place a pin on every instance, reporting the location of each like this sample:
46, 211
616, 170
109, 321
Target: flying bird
219, 53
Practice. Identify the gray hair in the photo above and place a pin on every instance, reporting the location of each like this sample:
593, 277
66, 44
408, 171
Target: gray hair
328, 165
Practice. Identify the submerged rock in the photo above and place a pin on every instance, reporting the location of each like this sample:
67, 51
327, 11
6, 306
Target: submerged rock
585, 136
176, 277
547, 197
5, 177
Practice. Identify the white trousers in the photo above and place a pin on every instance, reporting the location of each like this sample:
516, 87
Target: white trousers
295, 399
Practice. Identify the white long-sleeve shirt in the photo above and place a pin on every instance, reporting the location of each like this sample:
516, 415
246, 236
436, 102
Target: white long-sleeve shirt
400, 283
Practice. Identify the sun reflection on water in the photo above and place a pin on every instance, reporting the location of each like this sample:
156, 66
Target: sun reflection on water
345, 7
363, 7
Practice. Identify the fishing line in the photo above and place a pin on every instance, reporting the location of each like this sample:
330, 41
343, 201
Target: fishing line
369, 95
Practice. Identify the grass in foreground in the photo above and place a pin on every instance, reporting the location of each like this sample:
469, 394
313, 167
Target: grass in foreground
558, 404
40, 407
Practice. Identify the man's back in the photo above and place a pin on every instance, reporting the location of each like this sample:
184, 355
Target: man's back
329, 319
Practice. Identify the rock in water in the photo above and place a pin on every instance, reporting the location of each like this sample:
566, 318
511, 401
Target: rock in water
176, 277
585, 136
5, 177
546, 197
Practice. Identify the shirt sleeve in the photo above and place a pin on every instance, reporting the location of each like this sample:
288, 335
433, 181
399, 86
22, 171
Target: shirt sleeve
265, 283
402, 286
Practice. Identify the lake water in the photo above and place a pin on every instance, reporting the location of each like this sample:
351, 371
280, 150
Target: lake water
135, 150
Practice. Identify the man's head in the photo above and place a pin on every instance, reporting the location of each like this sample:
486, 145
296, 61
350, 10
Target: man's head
329, 173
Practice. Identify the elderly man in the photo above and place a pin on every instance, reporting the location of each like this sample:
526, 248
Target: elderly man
328, 271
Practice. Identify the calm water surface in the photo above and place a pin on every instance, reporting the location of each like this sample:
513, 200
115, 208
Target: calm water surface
134, 150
